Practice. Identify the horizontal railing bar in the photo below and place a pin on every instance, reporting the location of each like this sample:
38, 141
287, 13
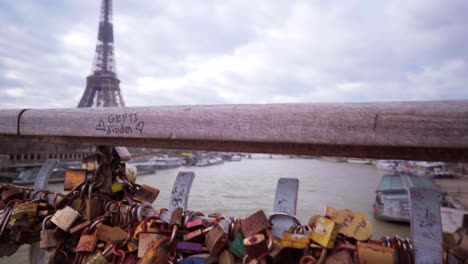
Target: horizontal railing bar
432, 130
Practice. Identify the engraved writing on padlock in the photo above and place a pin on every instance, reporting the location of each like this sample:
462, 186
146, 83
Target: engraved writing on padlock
24, 210
65, 218
73, 177
255, 224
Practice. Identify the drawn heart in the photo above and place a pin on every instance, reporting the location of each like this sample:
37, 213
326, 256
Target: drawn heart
140, 126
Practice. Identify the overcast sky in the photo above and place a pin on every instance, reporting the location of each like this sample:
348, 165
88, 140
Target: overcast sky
223, 52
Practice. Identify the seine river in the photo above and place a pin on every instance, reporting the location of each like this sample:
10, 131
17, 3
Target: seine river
241, 188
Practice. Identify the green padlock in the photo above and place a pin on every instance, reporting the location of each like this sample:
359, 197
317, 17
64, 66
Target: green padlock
237, 246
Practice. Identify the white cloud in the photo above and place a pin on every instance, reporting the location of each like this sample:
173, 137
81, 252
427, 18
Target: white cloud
179, 52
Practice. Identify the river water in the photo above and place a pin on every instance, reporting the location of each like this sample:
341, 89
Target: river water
241, 188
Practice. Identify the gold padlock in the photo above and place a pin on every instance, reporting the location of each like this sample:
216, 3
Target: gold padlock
24, 210
324, 231
371, 253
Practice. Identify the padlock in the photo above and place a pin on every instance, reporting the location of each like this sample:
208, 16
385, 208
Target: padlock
117, 187
175, 222
198, 223
24, 210
100, 257
298, 238
189, 247
73, 177
79, 227
94, 205
195, 236
215, 240
87, 241
255, 223
132, 245
256, 246
157, 254
65, 218
90, 163
47, 236
131, 172
353, 224
146, 240
324, 231
146, 194
371, 253
237, 246
199, 259
110, 234
226, 257
11, 194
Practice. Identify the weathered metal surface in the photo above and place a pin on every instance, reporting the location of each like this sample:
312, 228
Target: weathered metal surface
286, 195
9, 121
180, 193
426, 227
433, 130
36, 254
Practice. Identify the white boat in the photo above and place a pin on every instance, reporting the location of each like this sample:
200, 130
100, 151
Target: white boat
359, 161
236, 158
386, 165
167, 163
216, 161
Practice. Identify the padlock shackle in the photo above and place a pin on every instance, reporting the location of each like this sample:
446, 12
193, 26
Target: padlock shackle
45, 220
140, 210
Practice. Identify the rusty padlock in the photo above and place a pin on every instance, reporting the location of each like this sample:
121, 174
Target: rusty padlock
110, 234
157, 254
73, 177
255, 223
216, 239
87, 241
256, 246
145, 194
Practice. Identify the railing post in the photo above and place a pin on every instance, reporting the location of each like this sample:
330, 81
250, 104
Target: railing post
36, 254
426, 226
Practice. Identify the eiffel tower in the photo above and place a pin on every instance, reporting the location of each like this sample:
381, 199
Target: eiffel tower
102, 86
